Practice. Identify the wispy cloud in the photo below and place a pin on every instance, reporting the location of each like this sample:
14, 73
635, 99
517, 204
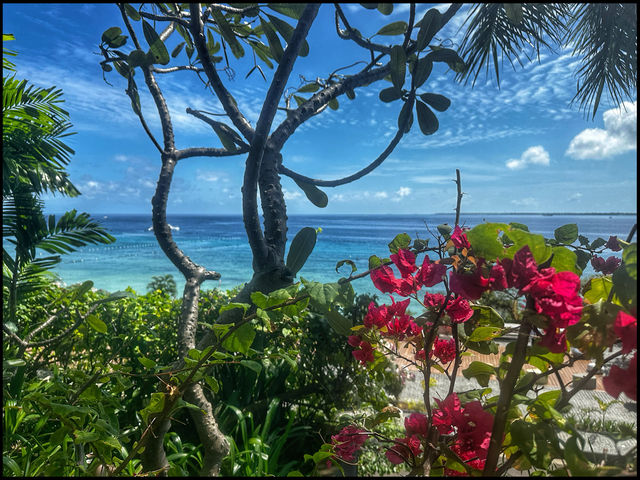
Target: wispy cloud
532, 156
619, 135
401, 193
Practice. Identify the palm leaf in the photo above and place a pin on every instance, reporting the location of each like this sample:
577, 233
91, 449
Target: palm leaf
491, 33
605, 35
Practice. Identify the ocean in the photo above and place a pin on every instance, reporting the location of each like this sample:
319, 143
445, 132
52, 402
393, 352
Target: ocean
218, 242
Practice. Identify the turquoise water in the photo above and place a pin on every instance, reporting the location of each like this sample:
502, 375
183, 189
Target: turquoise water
219, 243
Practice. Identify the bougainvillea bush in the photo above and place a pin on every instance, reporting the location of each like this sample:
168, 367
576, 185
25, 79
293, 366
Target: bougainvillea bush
558, 322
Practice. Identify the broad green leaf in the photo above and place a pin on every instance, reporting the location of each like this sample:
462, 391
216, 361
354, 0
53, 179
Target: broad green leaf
227, 33
137, 58
97, 324
252, 365
301, 247
390, 94
314, 194
406, 116
426, 119
564, 260
448, 56
429, 25
309, 88
597, 243
14, 362
439, 102
214, 385
351, 95
482, 334
83, 436
630, 259
341, 324
292, 10
566, 234
233, 305
111, 34
286, 31
131, 12
625, 287
323, 295
241, 339
157, 47
156, 405
385, 8
480, 371
398, 65
520, 226
147, 362
422, 70
374, 261
400, 241
272, 38
395, 28
485, 316
347, 262
599, 289
484, 240
176, 51
333, 104
539, 249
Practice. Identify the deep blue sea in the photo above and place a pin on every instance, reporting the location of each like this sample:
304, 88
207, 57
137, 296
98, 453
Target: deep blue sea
218, 242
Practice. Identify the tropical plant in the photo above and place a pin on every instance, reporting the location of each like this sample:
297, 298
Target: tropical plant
34, 157
165, 283
209, 32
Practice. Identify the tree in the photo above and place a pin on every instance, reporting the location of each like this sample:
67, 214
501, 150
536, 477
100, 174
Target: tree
205, 30
34, 157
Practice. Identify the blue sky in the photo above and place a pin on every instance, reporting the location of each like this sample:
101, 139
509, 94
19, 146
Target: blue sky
520, 148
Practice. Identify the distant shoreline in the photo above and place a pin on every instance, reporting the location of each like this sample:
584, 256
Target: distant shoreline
611, 214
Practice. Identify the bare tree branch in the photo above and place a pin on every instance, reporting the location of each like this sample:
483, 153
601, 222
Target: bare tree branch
207, 152
227, 101
184, 21
176, 69
368, 169
351, 34
260, 137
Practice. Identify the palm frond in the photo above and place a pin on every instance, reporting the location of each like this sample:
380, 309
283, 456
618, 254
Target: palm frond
492, 34
605, 35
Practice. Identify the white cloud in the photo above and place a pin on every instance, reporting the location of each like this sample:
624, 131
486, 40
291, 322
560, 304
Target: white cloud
575, 196
402, 192
290, 195
532, 156
381, 195
618, 136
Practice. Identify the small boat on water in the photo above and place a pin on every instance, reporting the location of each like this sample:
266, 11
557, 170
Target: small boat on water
150, 229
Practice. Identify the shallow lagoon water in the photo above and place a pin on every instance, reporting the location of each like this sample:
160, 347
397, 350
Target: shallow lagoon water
219, 243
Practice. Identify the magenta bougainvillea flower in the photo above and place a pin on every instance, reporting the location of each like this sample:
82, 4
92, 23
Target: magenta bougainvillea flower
430, 273
444, 350
613, 245
405, 260
459, 310
626, 327
623, 380
556, 296
433, 300
498, 278
470, 286
606, 267
404, 448
376, 316
416, 424
364, 353
472, 424
459, 239
554, 340
384, 280
348, 442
